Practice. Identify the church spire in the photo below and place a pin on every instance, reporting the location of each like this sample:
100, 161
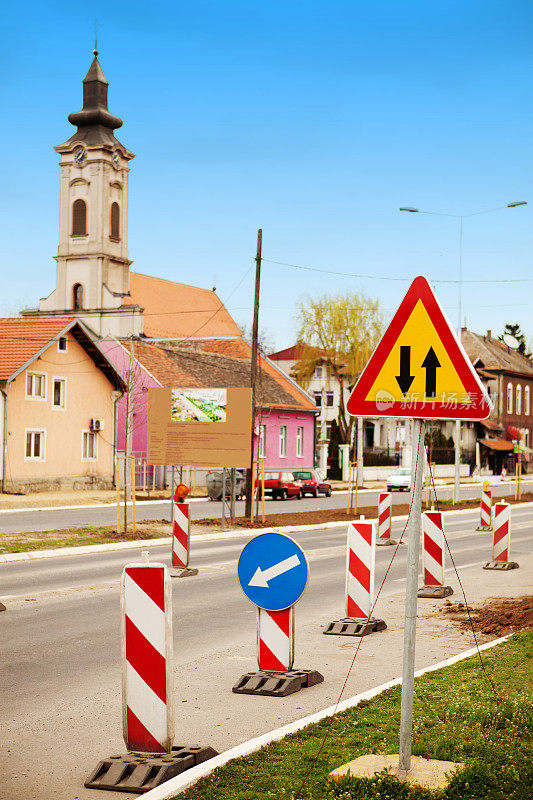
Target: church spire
95, 123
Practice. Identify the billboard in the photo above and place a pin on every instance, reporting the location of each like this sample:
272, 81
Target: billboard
199, 427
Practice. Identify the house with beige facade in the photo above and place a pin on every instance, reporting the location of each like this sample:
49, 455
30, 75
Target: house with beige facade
57, 406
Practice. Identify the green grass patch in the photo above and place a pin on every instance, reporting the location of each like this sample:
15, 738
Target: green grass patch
75, 537
457, 717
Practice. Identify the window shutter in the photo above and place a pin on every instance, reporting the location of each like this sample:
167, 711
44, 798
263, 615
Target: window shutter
79, 218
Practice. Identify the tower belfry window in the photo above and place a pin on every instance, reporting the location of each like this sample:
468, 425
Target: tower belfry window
115, 221
77, 293
79, 218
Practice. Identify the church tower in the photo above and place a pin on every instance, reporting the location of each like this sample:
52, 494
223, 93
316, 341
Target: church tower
92, 261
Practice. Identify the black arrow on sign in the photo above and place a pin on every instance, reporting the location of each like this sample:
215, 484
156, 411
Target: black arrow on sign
405, 378
430, 364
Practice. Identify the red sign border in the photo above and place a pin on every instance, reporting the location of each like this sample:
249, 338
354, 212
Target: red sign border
477, 410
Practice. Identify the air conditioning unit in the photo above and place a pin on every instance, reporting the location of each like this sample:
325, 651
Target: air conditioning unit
97, 424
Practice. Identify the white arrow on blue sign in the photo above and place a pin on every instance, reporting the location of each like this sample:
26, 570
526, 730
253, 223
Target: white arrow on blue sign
273, 571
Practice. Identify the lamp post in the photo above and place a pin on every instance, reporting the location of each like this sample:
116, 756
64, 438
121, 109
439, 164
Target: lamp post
460, 217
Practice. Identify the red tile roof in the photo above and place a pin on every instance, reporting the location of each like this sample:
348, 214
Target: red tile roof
497, 444
295, 352
21, 339
176, 309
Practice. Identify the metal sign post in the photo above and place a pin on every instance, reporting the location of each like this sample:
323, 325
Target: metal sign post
409, 637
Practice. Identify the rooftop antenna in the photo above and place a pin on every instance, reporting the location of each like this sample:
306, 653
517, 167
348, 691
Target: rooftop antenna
95, 51
510, 341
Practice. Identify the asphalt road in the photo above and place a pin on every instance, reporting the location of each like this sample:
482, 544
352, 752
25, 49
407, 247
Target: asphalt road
52, 518
60, 669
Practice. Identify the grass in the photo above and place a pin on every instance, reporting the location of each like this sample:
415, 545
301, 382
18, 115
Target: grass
457, 717
75, 537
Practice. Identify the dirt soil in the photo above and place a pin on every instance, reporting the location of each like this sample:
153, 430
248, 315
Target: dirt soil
495, 617
337, 514
69, 537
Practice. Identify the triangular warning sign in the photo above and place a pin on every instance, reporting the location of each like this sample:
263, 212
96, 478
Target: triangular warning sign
419, 368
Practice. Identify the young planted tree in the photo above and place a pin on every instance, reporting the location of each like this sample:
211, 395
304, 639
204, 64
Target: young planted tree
339, 331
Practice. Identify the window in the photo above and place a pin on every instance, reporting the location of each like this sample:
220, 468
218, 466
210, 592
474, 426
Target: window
283, 441
77, 296
79, 218
36, 385
318, 400
518, 409
262, 441
329, 399
62, 344
300, 441
59, 395
328, 431
318, 371
526, 401
89, 450
35, 446
115, 221
509, 398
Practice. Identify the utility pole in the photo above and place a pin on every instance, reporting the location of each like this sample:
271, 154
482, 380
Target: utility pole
129, 433
253, 372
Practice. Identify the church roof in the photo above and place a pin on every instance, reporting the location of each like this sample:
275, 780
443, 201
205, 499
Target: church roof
176, 309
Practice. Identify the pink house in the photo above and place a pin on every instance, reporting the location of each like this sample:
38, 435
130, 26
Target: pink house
285, 430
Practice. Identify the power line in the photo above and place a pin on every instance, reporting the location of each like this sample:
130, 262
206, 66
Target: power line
395, 278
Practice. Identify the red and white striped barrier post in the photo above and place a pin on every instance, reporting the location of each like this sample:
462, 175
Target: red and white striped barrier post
360, 567
275, 639
433, 556
147, 690
181, 534
147, 703
485, 523
501, 540
384, 519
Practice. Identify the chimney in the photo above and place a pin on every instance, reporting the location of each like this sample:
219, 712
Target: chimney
489, 334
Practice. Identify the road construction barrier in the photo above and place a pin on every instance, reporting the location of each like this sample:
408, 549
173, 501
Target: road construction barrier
485, 523
181, 534
273, 573
147, 707
360, 567
433, 556
147, 690
501, 539
275, 639
384, 519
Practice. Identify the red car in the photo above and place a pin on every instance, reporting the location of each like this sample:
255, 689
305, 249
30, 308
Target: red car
313, 483
280, 485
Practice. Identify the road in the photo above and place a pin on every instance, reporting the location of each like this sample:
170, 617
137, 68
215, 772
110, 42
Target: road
51, 518
60, 669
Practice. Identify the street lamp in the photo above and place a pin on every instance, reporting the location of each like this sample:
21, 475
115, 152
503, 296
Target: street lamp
460, 217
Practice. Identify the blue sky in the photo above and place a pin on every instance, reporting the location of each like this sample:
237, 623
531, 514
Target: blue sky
313, 120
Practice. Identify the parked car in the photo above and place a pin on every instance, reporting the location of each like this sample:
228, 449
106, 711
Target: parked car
214, 481
399, 480
281, 485
313, 482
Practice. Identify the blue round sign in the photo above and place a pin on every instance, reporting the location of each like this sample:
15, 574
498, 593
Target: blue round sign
273, 571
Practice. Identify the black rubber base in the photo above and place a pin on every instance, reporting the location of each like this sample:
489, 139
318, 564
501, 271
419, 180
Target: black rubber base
355, 627
140, 772
436, 592
182, 572
501, 565
385, 542
277, 684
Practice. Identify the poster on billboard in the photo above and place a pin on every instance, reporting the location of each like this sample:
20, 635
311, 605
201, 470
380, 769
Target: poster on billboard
199, 427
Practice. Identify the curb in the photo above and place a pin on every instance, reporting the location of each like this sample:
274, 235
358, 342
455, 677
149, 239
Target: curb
205, 537
181, 782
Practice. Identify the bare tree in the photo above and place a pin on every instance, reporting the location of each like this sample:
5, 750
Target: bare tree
340, 331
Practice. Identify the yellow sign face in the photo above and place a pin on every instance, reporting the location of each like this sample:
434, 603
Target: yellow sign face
412, 365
